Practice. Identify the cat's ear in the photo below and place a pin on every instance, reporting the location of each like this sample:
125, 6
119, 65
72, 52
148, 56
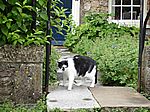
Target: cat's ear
59, 64
76, 57
66, 63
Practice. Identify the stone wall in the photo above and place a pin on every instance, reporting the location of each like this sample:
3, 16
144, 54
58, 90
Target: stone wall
93, 6
148, 8
21, 73
148, 5
146, 70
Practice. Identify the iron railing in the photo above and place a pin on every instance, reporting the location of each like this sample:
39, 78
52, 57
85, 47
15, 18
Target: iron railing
48, 46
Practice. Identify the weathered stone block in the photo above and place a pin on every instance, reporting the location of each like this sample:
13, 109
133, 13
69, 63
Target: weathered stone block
21, 73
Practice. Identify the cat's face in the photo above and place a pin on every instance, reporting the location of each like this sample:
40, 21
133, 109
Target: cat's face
63, 65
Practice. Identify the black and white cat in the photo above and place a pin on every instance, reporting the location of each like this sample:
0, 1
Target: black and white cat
78, 66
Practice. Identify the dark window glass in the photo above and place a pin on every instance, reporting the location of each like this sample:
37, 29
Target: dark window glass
136, 2
136, 13
117, 11
117, 2
126, 2
126, 13
67, 3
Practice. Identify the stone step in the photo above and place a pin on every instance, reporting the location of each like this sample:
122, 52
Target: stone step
119, 97
77, 98
64, 52
98, 97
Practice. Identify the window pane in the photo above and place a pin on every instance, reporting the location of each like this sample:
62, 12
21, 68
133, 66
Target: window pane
116, 2
126, 12
136, 13
136, 2
126, 2
67, 3
117, 12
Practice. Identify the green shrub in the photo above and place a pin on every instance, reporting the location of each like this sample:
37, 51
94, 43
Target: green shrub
117, 60
10, 107
53, 66
96, 25
114, 47
16, 21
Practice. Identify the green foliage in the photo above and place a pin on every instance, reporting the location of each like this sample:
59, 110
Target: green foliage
114, 47
142, 110
16, 19
53, 66
117, 60
10, 107
96, 25
41, 107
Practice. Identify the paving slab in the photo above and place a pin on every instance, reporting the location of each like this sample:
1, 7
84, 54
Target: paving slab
119, 97
78, 97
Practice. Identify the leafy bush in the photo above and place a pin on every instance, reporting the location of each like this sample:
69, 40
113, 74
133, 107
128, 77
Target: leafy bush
96, 25
10, 107
16, 21
53, 66
114, 47
117, 60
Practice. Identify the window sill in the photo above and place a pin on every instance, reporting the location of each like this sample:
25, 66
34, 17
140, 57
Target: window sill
127, 22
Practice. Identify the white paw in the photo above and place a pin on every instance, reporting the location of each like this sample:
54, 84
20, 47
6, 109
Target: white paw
62, 84
92, 86
69, 89
78, 84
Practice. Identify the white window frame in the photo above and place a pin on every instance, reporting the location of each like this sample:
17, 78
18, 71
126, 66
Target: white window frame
76, 11
127, 22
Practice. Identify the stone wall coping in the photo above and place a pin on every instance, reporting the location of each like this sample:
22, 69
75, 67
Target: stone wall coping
23, 54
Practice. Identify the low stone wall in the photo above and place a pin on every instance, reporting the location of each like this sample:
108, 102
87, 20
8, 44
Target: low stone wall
146, 70
21, 73
93, 6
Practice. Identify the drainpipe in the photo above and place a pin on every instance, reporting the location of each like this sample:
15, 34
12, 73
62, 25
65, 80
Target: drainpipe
48, 48
140, 45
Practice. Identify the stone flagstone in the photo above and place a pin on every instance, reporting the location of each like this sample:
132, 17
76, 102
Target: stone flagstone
119, 97
78, 97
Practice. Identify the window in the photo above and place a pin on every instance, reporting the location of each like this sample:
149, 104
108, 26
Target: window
125, 9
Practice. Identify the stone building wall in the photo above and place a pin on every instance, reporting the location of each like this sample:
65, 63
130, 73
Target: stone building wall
148, 8
93, 6
21, 73
148, 4
146, 70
